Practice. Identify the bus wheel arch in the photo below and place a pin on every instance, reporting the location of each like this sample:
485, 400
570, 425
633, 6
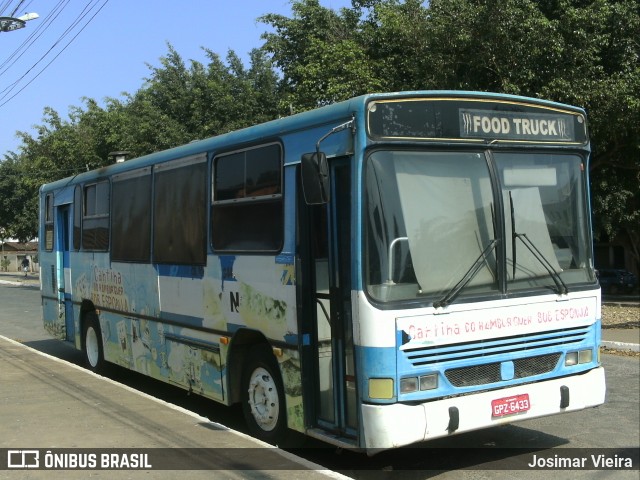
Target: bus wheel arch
257, 384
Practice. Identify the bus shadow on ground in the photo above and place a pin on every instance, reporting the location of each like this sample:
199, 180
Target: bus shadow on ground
494, 448
501, 448
56, 348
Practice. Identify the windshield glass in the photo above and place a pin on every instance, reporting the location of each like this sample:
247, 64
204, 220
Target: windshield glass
430, 217
432, 226
544, 203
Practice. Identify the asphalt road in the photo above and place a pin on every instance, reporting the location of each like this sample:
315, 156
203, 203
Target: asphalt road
611, 429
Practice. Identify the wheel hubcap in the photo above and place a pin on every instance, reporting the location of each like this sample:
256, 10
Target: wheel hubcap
91, 344
263, 399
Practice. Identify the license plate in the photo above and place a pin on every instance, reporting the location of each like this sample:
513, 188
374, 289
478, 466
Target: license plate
510, 405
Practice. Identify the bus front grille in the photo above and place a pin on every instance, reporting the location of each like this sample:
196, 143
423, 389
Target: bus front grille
514, 346
474, 375
491, 372
528, 367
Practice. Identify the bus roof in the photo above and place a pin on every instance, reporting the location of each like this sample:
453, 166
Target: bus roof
326, 115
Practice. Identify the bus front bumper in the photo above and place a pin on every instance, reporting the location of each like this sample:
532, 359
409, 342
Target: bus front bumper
389, 426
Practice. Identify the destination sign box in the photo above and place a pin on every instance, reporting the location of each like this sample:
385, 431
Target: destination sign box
473, 120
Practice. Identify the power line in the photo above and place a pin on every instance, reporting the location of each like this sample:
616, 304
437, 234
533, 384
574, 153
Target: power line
13, 14
27, 5
5, 5
35, 35
91, 6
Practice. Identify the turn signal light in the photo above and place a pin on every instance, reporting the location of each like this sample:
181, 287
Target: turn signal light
381, 388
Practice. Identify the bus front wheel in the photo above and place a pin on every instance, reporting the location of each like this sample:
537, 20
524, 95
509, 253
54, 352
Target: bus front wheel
263, 401
92, 343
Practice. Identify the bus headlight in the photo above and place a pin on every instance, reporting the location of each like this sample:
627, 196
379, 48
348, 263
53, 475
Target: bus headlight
575, 358
429, 382
585, 356
413, 384
571, 358
409, 384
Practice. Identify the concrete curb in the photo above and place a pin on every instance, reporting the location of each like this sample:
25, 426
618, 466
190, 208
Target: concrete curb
19, 284
632, 347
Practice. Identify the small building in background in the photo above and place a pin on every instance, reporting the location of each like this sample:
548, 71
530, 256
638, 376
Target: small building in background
13, 253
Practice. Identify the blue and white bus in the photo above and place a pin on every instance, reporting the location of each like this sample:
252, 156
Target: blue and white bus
374, 273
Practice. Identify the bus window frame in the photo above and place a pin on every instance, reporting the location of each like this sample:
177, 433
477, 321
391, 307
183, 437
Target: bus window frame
198, 258
140, 173
96, 216
78, 213
275, 199
48, 222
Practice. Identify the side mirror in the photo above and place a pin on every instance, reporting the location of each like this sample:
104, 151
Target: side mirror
315, 178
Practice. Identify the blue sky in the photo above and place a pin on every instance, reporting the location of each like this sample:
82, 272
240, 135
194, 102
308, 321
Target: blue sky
111, 51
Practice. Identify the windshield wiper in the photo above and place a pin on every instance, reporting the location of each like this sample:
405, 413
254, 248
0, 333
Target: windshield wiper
555, 276
475, 268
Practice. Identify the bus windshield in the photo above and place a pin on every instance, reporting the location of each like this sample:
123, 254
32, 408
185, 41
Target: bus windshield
437, 223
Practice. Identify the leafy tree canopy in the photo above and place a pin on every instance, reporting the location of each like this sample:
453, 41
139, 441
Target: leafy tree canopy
581, 52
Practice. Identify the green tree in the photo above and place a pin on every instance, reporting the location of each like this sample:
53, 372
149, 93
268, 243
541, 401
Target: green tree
18, 204
581, 52
320, 56
206, 100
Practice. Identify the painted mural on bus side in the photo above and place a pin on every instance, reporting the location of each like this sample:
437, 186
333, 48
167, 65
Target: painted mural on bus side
228, 296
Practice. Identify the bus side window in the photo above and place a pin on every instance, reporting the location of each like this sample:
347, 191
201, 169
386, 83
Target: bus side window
131, 217
48, 222
247, 210
77, 218
180, 208
95, 219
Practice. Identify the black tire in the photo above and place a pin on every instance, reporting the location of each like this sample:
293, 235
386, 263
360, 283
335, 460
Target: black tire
263, 399
92, 347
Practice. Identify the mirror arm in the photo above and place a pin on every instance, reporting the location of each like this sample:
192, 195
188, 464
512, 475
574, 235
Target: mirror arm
350, 124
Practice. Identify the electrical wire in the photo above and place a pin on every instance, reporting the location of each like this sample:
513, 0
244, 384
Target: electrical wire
13, 14
4, 6
89, 8
41, 28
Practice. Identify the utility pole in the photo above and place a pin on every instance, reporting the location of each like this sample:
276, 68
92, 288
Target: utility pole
9, 24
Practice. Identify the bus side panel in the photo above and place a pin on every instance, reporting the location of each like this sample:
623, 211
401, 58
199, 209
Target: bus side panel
258, 293
126, 296
166, 322
179, 356
53, 315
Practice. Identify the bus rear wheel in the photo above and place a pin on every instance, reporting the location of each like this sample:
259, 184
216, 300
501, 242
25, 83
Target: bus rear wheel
92, 344
263, 400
